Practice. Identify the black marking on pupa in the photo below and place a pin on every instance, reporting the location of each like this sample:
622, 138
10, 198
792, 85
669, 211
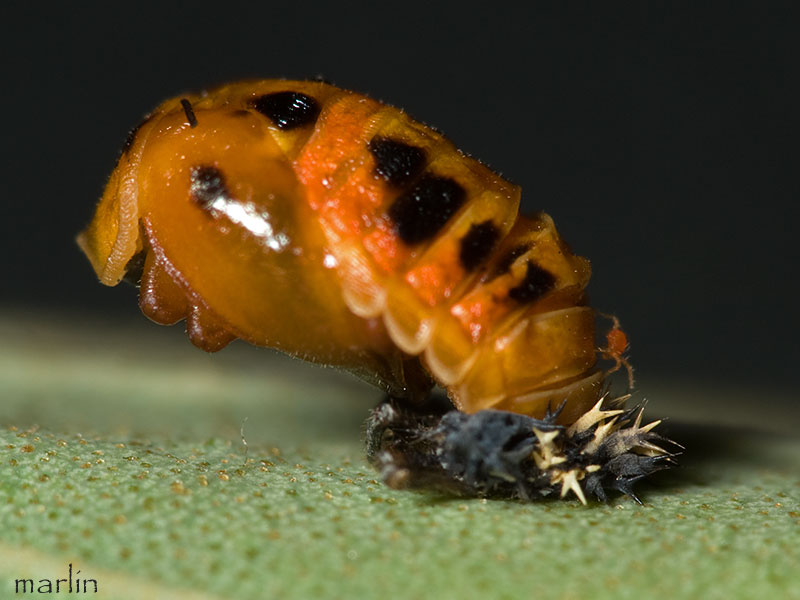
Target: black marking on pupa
287, 110
477, 244
207, 185
421, 212
395, 161
537, 283
189, 112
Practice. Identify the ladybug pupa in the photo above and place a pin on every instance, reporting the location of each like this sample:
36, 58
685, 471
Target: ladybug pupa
315, 220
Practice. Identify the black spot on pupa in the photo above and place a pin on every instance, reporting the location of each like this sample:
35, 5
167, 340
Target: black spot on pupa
478, 244
287, 110
207, 186
131, 137
240, 112
397, 162
508, 259
423, 210
189, 112
537, 283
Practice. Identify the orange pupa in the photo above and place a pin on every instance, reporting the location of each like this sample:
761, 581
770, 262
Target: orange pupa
315, 220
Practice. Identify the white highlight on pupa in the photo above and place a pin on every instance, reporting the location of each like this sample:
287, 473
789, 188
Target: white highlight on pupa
254, 220
330, 261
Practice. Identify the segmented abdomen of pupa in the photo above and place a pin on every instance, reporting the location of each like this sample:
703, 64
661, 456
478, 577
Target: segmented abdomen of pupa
430, 241
332, 227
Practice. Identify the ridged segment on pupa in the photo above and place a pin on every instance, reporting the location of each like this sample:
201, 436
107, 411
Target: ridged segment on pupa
335, 228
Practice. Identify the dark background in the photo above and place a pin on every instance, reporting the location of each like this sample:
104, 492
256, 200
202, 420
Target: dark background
661, 138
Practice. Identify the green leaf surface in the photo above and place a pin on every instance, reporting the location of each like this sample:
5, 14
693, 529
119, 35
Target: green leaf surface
121, 453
